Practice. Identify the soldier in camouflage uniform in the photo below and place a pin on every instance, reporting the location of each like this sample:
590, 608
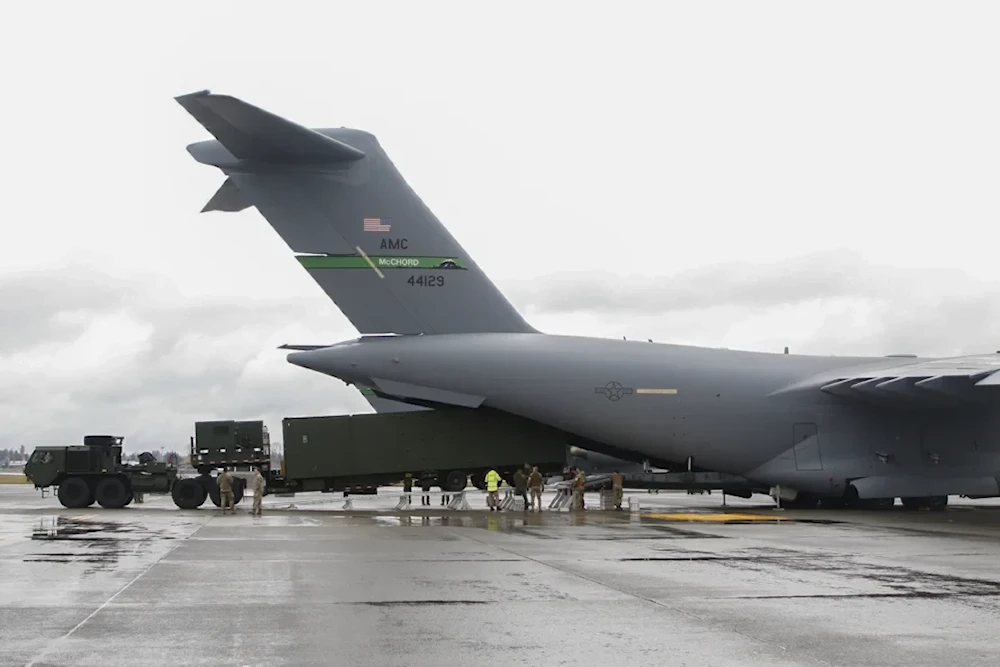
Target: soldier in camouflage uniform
226, 491
617, 484
578, 484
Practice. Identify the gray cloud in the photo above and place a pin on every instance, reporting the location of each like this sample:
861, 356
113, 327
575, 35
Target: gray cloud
203, 360
923, 311
41, 305
742, 284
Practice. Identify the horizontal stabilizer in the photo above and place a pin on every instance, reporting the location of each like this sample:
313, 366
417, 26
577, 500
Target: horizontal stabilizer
250, 133
302, 348
227, 199
427, 394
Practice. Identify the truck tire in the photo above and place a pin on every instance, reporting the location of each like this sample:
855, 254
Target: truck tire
479, 481
453, 481
238, 486
111, 493
74, 493
188, 494
211, 487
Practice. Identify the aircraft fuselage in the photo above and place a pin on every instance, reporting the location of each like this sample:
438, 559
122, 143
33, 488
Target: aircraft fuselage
744, 413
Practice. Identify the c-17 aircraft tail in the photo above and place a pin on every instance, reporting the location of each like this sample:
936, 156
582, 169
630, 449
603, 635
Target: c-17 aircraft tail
355, 225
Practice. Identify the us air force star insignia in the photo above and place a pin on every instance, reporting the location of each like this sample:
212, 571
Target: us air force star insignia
613, 391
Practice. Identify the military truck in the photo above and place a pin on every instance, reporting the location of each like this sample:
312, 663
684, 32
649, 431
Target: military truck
94, 471
352, 453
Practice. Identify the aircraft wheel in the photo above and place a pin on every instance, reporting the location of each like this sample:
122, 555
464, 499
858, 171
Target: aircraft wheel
937, 502
188, 494
454, 481
111, 493
879, 503
74, 493
851, 497
803, 501
926, 502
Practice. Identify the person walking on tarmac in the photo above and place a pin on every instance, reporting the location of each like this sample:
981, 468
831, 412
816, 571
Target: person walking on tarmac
617, 483
578, 488
492, 490
408, 487
521, 486
258, 492
425, 487
226, 491
535, 484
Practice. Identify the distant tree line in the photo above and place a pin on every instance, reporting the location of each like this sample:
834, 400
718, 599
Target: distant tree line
7, 456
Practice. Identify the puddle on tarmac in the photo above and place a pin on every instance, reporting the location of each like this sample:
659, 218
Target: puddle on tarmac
98, 543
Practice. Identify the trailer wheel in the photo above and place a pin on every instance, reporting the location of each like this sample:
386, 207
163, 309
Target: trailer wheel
454, 481
111, 493
188, 494
74, 493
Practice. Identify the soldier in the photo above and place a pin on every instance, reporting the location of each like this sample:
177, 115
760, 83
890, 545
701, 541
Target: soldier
226, 491
258, 492
425, 487
578, 485
521, 486
617, 480
408, 487
535, 484
492, 489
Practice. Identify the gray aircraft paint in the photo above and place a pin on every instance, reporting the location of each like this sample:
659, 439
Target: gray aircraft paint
889, 426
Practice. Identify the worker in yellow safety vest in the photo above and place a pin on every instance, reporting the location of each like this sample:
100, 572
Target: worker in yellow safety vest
492, 489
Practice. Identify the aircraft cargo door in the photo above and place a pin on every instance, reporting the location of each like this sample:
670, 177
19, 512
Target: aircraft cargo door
805, 446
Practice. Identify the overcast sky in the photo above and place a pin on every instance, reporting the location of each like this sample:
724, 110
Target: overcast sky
747, 175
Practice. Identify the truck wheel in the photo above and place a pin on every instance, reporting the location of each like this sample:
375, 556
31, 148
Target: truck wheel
237, 491
453, 481
111, 493
188, 494
479, 481
211, 487
74, 493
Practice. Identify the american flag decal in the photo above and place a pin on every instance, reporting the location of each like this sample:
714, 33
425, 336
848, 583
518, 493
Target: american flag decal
375, 225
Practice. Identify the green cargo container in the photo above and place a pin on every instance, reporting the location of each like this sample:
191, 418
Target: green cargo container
448, 445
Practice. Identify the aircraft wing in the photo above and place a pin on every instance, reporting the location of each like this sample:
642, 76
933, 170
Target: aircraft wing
950, 382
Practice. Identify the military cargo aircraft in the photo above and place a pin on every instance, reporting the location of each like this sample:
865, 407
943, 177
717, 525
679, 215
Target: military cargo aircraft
435, 331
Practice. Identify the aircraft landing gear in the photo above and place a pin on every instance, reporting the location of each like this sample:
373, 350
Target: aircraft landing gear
934, 503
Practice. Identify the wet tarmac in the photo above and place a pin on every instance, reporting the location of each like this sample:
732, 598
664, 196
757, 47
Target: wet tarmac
312, 584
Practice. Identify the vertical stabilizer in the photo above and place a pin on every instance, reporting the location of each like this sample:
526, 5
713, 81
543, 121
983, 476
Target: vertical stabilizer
353, 222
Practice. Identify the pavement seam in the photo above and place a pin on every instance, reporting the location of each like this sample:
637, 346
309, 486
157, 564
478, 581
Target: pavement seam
52, 645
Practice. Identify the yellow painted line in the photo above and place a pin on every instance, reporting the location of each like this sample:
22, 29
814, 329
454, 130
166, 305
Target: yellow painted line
715, 516
656, 391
